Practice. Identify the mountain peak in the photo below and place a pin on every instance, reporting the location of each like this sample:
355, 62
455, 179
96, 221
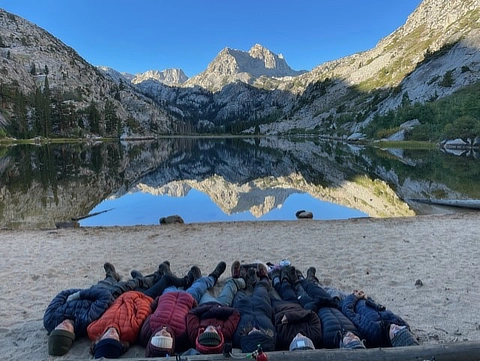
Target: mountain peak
168, 76
231, 65
270, 59
259, 49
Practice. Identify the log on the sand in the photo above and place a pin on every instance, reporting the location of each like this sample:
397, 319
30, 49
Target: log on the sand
459, 203
464, 351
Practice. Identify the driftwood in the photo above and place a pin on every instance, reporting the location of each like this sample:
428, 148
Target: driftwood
457, 351
73, 222
90, 215
461, 203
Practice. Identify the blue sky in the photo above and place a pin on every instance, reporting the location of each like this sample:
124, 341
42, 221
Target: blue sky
136, 36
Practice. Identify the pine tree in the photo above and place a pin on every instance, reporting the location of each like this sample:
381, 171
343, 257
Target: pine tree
19, 123
111, 119
47, 110
93, 116
42, 124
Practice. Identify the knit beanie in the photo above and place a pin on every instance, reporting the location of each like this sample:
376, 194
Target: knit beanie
404, 337
209, 339
160, 346
59, 342
108, 348
210, 342
162, 341
301, 343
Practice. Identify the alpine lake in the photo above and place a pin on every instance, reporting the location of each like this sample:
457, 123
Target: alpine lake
213, 179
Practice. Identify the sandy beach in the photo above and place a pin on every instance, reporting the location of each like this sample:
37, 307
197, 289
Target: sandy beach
387, 258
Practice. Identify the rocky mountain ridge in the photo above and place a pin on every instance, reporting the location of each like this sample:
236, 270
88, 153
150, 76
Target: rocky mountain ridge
438, 39
256, 91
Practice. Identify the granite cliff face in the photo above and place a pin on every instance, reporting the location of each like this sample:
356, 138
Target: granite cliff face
167, 76
233, 65
31, 57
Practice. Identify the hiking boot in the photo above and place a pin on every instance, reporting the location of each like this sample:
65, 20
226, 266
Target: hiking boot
219, 269
193, 274
164, 269
299, 275
284, 272
311, 275
108, 267
235, 269
262, 271
292, 275
111, 272
136, 274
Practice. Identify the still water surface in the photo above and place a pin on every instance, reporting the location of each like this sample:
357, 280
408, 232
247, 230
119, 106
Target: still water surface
143, 208
215, 179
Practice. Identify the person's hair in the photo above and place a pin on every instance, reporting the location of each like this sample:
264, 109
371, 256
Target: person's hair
246, 330
250, 342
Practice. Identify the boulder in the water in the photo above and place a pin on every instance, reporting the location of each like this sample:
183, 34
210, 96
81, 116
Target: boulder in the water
171, 219
303, 214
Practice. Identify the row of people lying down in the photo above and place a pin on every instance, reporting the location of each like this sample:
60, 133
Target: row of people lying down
277, 308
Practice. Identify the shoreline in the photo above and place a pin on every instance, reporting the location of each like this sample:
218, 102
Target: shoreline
384, 257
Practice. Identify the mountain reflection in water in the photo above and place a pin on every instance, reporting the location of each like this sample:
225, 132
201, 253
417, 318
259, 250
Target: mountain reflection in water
222, 179
142, 208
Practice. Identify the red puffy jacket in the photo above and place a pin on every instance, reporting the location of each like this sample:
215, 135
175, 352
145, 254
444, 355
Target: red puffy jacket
171, 310
126, 314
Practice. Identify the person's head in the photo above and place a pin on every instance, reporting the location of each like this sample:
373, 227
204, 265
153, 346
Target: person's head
61, 338
209, 340
162, 343
257, 336
301, 342
109, 344
350, 340
112, 333
401, 336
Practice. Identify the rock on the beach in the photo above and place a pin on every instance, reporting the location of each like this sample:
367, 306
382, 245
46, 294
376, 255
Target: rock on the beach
171, 219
